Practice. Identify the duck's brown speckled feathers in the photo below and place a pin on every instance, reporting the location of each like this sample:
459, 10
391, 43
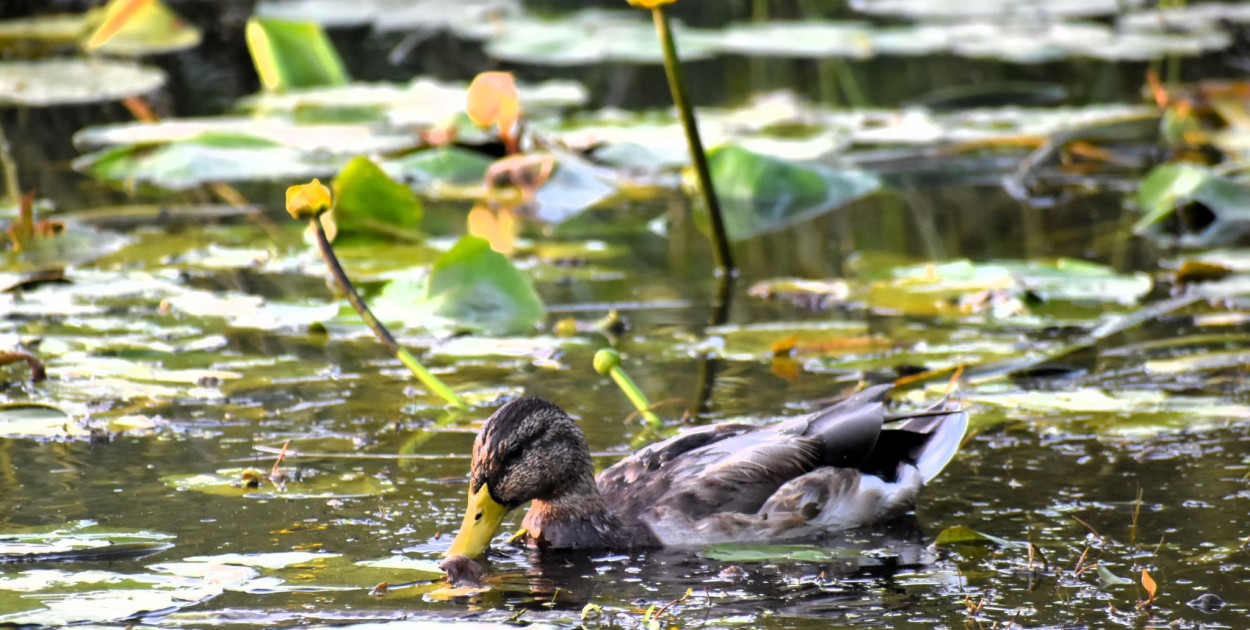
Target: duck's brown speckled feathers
844, 466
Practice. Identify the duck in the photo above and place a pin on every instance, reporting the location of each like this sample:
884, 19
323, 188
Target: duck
849, 465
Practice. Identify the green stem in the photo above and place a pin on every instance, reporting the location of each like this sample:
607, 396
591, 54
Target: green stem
677, 85
608, 361
383, 335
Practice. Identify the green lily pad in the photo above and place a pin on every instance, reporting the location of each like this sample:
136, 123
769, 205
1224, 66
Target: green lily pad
961, 535
36, 420
1193, 206
436, 170
761, 194
963, 9
752, 552
230, 482
339, 139
478, 288
590, 36
74, 81
213, 157
367, 199
293, 55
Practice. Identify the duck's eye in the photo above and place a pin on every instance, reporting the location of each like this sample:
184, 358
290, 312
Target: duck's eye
478, 517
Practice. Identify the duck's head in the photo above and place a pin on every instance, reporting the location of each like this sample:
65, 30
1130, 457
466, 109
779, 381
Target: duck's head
527, 450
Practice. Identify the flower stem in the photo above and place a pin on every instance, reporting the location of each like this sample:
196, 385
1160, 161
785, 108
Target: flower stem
345, 284
677, 85
608, 361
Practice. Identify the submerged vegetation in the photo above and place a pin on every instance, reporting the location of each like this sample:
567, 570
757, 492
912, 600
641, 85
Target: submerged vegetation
1038, 209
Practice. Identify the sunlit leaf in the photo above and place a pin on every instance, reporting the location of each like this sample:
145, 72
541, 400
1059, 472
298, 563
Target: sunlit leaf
1111, 579
306, 201
492, 99
212, 157
1193, 206
753, 552
292, 55
141, 27
761, 194
312, 484
478, 288
961, 535
367, 199
74, 81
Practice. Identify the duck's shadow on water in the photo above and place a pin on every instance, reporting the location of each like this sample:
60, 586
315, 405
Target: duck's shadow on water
849, 574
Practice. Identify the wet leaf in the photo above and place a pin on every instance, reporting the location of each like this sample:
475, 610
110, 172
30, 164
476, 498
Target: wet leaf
312, 484
752, 552
206, 158
478, 288
435, 171
273, 560
367, 199
38, 421
293, 55
761, 194
1148, 583
141, 27
1110, 579
1192, 206
961, 535
74, 81
1201, 271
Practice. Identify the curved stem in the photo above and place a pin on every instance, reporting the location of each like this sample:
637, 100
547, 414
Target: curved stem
677, 85
345, 284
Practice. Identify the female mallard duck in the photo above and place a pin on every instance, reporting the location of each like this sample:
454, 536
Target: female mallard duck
834, 469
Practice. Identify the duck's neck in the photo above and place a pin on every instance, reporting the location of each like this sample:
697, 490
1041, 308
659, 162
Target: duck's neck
576, 518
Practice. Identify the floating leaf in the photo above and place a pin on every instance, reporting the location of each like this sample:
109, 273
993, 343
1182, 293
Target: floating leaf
215, 157
366, 198
1148, 583
1110, 579
312, 484
141, 27
292, 55
752, 552
1193, 206
74, 81
38, 421
477, 287
761, 194
492, 99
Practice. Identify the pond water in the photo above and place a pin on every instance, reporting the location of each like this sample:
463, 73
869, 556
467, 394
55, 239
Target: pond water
1110, 430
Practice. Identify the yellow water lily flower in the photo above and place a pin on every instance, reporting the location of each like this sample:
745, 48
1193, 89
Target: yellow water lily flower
307, 201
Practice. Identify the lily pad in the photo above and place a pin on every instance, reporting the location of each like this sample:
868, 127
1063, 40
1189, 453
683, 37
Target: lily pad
479, 288
751, 552
1193, 206
38, 421
761, 194
293, 55
961, 535
240, 482
367, 199
74, 81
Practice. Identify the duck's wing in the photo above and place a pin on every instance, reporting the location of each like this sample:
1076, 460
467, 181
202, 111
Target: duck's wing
834, 468
737, 467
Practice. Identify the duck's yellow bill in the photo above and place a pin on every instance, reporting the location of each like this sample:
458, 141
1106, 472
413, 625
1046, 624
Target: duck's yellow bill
481, 521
